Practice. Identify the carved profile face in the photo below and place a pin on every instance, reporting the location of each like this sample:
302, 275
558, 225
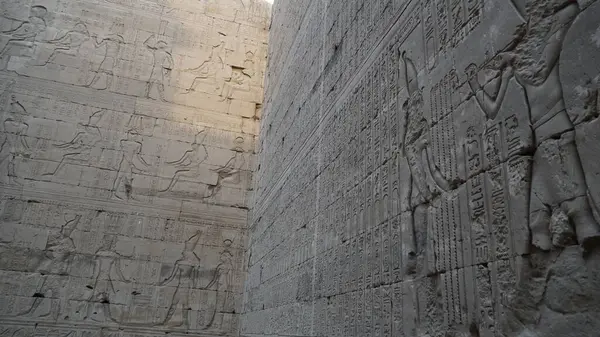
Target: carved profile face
238, 144
81, 28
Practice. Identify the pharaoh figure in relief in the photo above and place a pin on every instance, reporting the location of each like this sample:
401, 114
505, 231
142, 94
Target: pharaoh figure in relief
184, 277
13, 144
559, 189
425, 179
22, 39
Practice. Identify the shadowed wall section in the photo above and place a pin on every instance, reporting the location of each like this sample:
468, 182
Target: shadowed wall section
428, 168
126, 159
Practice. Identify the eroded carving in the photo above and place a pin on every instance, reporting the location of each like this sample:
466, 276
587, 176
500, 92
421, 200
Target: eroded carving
425, 180
104, 172
213, 69
79, 149
184, 275
112, 44
131, 162
14, 145
162, 66
229, 174
532, 59
68, 44
190, 165
22, 40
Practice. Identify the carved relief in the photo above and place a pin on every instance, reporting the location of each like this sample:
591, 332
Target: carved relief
131, 162
68, 43
551, 125
22, 39
112, 44
14, 144
419, 188
214, 71
162, 66
190, 164
79, 149
103, 191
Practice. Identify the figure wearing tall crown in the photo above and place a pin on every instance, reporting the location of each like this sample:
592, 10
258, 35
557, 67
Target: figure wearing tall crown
425, 180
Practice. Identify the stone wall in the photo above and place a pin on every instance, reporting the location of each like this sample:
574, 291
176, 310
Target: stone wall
126, 159
428, 168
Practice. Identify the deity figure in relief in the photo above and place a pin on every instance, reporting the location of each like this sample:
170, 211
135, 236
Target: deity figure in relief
532, 58
425, 179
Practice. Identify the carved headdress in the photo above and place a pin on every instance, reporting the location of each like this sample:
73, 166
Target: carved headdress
412, 84
530, 37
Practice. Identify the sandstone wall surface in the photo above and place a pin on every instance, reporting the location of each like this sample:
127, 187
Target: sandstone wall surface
126, 158
428, 168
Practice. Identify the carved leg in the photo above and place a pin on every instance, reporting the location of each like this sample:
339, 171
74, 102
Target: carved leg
543, 195
121, 180
161, 92
539, 214
3, 62
149, 86
577, 205
55, 53
409, 243
586, 227
58, 167
539, 224
94, 79
109, 80
12, 176
174, 180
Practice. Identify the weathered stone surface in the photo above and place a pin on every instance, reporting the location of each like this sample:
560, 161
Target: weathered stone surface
126, 157
438, 161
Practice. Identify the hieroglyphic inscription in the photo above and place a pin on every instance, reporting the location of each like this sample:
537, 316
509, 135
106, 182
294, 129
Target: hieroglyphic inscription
447, 24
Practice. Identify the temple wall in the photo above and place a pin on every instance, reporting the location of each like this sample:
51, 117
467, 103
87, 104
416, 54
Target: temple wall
126, 159
427, 168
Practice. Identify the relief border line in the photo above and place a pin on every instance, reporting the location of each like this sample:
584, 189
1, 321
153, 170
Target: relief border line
155, 210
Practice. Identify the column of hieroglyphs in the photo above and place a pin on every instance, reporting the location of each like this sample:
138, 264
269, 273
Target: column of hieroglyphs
126, 157
428, 168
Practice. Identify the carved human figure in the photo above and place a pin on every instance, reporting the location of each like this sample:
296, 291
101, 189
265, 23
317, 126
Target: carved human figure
79, 149
162, 66
222, 282
131, 162
230, 172
57, 259
106, 268
60, 247
190, 163
249, 65
22, 39
415, 149
112, 44
213, 68
558, 179
185, 276
69, 43
14, 144
238, 80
